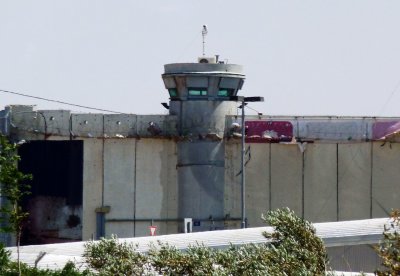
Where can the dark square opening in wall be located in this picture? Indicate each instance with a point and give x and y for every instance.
(57, 168)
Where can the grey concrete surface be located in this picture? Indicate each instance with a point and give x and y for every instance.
(257, 183)
(354, 181)
(119, 183)
(343, 179)
(232, 190)
(92, 185)
(286, 177)
(385, 178)
(320, 182)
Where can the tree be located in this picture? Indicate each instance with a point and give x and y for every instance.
(295, 247)
(12, 187)
(389, 248)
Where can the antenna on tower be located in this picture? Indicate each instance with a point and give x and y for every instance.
(204, 32)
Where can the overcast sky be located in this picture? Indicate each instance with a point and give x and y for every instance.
(337, 57)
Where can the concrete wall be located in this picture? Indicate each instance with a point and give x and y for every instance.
(232, 191)
(354, 181)
(286, 177)
(119, 184)
(156, 186)
(92, 185)
(354, 258)
(139, 183)
(258, 179)
(127, 174)
(385, 178)
(132, 169)
(320, 182)
(325, 182)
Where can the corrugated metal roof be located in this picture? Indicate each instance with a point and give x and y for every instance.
(333, 234)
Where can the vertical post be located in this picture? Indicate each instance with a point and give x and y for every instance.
(204, 33)
(243, 176)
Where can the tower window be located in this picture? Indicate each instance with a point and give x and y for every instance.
(225, 92)
(172, 92)
(197, 92)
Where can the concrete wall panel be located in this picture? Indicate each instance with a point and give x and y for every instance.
(232, 190)
(142, 228)
(119, 178)
(87, 125)
(156, 184)
(121, 229)
(92, 185)
(257, 183)
(286, 177)
(335, 129)
(120, 125)
(320, 187)
(353, 258)
(385, 178)
(354, 180)
(41, 124)
(164, 125)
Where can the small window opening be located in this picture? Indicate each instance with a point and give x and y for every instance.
(172, 92)
(197, 92)
(224, 92)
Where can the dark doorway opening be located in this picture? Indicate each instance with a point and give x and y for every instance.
(56, 191)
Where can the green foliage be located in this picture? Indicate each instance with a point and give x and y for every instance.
(167, 260)
(246, 260)
(294, 249)
(389, 248)
(109, 257)
(12, 186)
(4, 258)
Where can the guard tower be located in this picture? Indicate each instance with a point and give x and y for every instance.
(201, 95)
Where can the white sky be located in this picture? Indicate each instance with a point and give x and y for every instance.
(325, 57)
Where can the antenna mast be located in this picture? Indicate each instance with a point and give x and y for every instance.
(204, 32)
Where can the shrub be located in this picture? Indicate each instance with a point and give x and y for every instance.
(293, 249)
(389, 248)
(110, 257)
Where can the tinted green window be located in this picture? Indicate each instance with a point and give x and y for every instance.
(197, 92)
(173, 92)
(225, 92)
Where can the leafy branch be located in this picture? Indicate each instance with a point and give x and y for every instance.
(13, 188)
